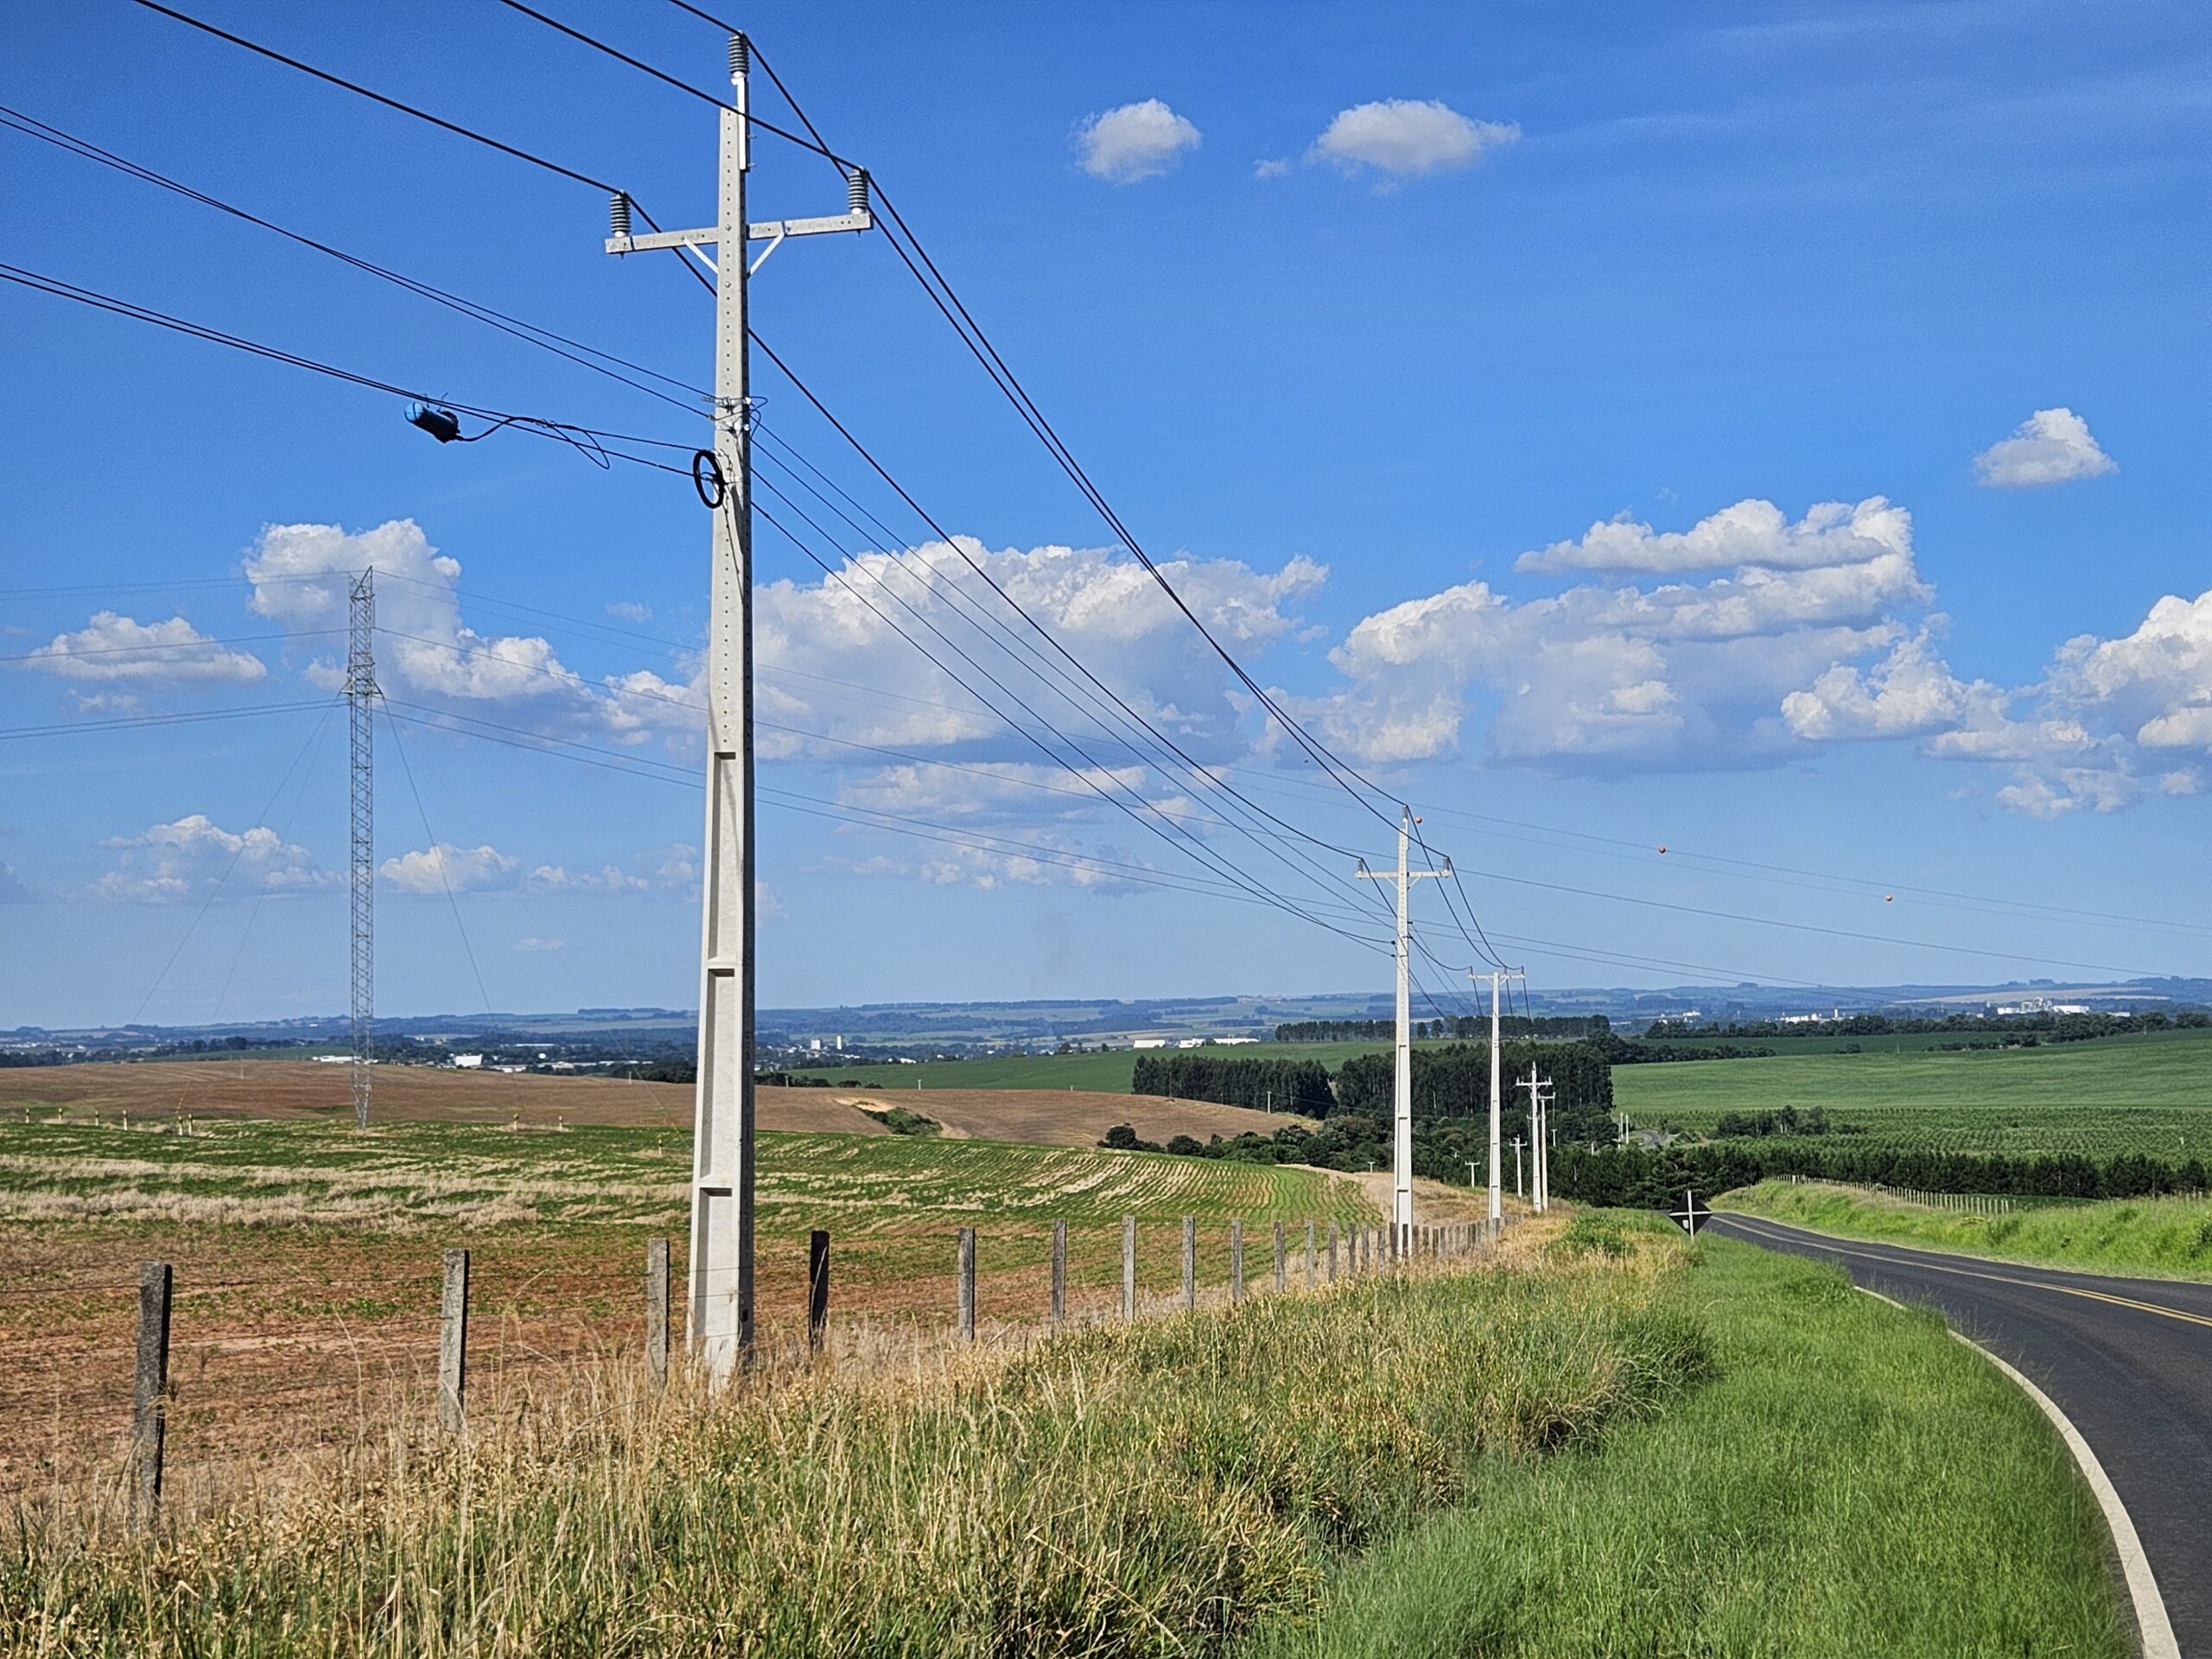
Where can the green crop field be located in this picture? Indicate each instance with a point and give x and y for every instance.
(1107, 1073)
(2149, 1094)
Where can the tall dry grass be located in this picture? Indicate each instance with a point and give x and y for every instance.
(1146, 1489)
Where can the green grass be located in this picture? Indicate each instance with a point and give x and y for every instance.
(1852, 1482)
(1915, 1042)
(2150, 1094)
(2163, 1238)
(1151, 1489)
(411, 1177)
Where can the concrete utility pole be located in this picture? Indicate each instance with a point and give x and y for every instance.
(361, 873)
(1539, 1119)
(1402, 1148)
(721, 1155)
(1497, 1172)
(1516, 1166)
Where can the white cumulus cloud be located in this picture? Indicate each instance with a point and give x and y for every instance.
(1751, 533)
(112, 647)
(183, 859)
(1407, 137)
(1136, 140)
(301, 573)
(442, 866)
(2052, 446)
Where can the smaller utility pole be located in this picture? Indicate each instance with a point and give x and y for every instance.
(1516, 1166)
(1539, 1127)
(1401, 1158)
(1496, 1170)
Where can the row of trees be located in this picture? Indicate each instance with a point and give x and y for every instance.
(1300, 1086)
(2059, 1028)
(1633, 1176)
(1454, 1081)
(1462, 1027)
(1352, 1142)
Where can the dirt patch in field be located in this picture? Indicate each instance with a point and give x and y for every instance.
(404, 1094)
(1053, 1117)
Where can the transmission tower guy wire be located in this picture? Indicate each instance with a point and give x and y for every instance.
(360, 702)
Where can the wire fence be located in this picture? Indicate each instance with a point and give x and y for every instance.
(245, 1368)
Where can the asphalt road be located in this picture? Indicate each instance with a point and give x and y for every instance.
(2129, 1360)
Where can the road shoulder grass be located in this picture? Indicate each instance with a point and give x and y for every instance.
(2150, 1238)
(1852, 1481)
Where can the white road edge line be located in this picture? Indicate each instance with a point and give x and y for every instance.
(2155, 1632)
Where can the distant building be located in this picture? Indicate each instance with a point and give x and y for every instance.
(2039, 1005)
(1148, 1042)
(468, 1062)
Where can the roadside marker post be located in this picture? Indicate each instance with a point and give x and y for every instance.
(1310, 1279)
(1692, 1216)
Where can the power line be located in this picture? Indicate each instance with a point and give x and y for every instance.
(546, 338)
(589, 442)
(438, 858)
(438, 121)
(67, 728)
(1197, 848)
(1201, 777)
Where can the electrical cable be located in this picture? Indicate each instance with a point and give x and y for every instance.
(238, 855)
(586, 441)
(1197, 848)
(545, 339)
(1198, 775)
(439, 121)
(68, 728)
(437, 857)
(1205, 779)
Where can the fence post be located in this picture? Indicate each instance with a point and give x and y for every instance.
(817, 1290)
(1129, 1266)
(1332, 1252)
(967, 1284)
(1236, 1260)
(1059, 1274)
(656, 1312)
(1189, 1262)
(453, 1344)
(150, 1389)
(1310, 1277)
(1280, 1281)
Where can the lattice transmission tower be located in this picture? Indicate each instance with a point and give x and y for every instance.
(360, 697)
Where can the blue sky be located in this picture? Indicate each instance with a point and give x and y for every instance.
(1775, 433)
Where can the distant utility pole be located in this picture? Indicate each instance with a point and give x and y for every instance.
(721, 1152)
(1402, 1154)
(1496, 1171)
(1516, 1166)
(361, 875)
(1539, 1123)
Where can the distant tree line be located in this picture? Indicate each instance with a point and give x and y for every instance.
(1462, 1027)
(1454, 1081)
(2056, 1027)
(1636, 1177)
(1350, 1141)
(1299, 1086)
